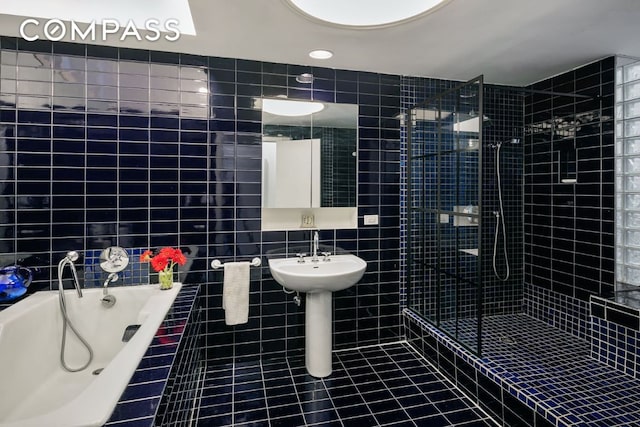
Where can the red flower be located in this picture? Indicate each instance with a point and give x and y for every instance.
(146, 256)
(159, 262)
(179, 258)
(167, 252)
(165, 259)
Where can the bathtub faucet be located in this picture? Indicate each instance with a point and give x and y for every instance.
(111, 278)
(108, 300)
(69, 259)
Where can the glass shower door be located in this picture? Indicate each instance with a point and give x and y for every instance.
(444, 211)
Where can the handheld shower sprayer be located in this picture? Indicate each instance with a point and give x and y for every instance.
(499, 214)
(70, 258)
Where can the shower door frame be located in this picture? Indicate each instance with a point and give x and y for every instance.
(479, 82)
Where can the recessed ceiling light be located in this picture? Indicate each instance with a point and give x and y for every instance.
(375, 13)
(290, 108)
(321, 54)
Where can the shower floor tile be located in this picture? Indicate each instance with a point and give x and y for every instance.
(374, 386)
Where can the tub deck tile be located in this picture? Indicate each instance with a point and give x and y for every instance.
(139, 402)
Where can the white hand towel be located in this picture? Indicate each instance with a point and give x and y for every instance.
(235, 293)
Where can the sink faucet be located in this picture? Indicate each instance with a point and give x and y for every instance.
(314, 256)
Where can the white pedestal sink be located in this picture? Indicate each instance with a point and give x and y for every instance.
(318, 279)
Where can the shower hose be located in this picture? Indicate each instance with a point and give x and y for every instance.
(500, 221)
(66, 322)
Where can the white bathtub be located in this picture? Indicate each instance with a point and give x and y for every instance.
(34, 389)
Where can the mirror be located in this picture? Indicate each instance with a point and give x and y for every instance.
(309, 158)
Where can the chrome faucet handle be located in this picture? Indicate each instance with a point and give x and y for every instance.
(326, 256)
(301, 256)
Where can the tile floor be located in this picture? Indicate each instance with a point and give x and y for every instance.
(374, 386)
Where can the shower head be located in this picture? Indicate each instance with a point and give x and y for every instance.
(513, 141)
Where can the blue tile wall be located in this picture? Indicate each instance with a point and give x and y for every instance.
(365, 314)
(561, 311)
(135, 273)
(144, 149)
(569, 227)
(615, 335)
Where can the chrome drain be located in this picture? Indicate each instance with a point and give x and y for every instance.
(507, 340)
(97, 371)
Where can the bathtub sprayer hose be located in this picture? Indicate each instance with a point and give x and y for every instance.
(66, 322)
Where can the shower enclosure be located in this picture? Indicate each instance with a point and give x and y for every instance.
(461, 144)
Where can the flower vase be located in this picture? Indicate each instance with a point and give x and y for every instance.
(165, 278)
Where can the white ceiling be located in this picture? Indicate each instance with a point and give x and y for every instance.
(509, 41)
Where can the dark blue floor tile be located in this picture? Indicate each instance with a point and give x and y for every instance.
(384, 406)
(353, 411)
(249, 405)
(422, 410)
(451, 405)
(433, 421)
(368, 387)
(461, 416)
(293, 421)
(395, 417)
(207, 411)
(285, 399)
(250, 416)
(284, 411)
(317, 405)
(322, 417)
(221, 420)
(364, 421)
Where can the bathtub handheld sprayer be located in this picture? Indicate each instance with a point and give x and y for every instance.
(69, 260)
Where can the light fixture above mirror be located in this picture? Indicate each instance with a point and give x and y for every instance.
(290, 108)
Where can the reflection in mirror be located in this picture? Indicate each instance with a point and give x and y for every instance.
(309, 160)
